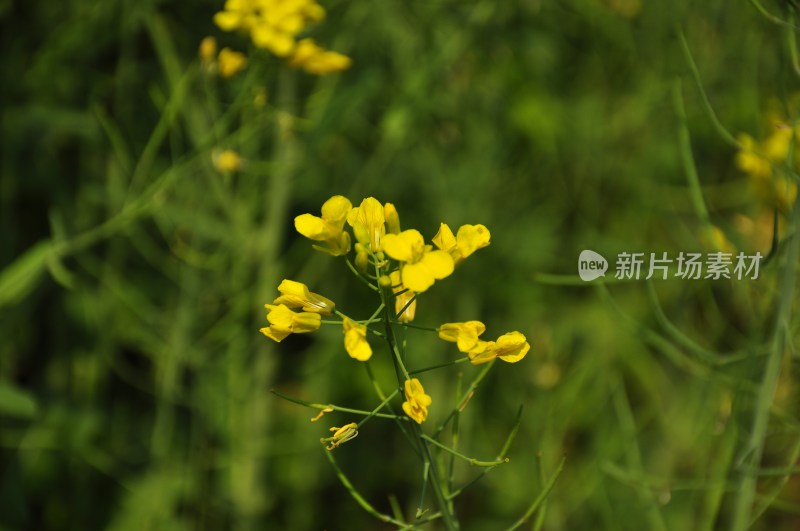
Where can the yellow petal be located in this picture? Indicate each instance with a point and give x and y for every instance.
(417, 277)
(335, 209)
(297, 295)
(464, 334)
(444, 239)
(306, 322)
(398, 247)
(414, 412)
(311, 227)
(367, 221)
(435, 265)
(275, 334)
(470, 238)
(355, 340)
(511, 347)
(227, 21)
(280, 317)
(483, 352)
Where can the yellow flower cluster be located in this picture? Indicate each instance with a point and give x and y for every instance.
(376, 229)
(399, 265)
(284, 321)
(765, 162)
(275, 26)
(510, 347)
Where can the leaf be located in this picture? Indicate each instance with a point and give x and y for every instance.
(22, 275)
(14, 402)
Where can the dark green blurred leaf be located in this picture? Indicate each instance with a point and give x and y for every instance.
(22, 276)
(14, 402)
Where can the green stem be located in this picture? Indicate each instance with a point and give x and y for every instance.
(465, 399)
(687, 53)
(470, 460)
(687, 158)
(344, 409)
(369, 284)
(412, 325)
(358, 497)
(540, 498)
(755, 445)
(792, 42)
(769, 16)
(506, 446)
(436, 483)
(434, 367)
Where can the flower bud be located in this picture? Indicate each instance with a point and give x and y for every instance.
(362, 262)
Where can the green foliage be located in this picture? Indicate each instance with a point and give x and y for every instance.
(134, 385)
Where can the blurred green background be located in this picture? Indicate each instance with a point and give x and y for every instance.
(135, 387)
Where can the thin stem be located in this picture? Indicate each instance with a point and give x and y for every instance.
(470, 460)
(465, 398)
(355, 271)
(434, 367)
(402, 425)
(412, 325)
(687, 54)
(772, 18)
(342, 409)
(792, 42)
(540, 498)
(449, 517)
(687, 158)
(454, 438)
(503, 451)
(409, 303)
(358, 497)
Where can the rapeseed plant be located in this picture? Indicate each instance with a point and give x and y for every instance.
(399, 267)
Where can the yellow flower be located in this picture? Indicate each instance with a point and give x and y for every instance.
(296, 295)
(464, 335)
(510, 347)
(271, 24)
(328, 228)
(231, 62)
(749, 161)
(417, 402)
(367, 221)
(420, 266)
(776, 146)
(227, 161)
(317, 60)
(341, 435)
(208, 49)
(355, 340)
(283, 321)
(402, 299)
(469, 239)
